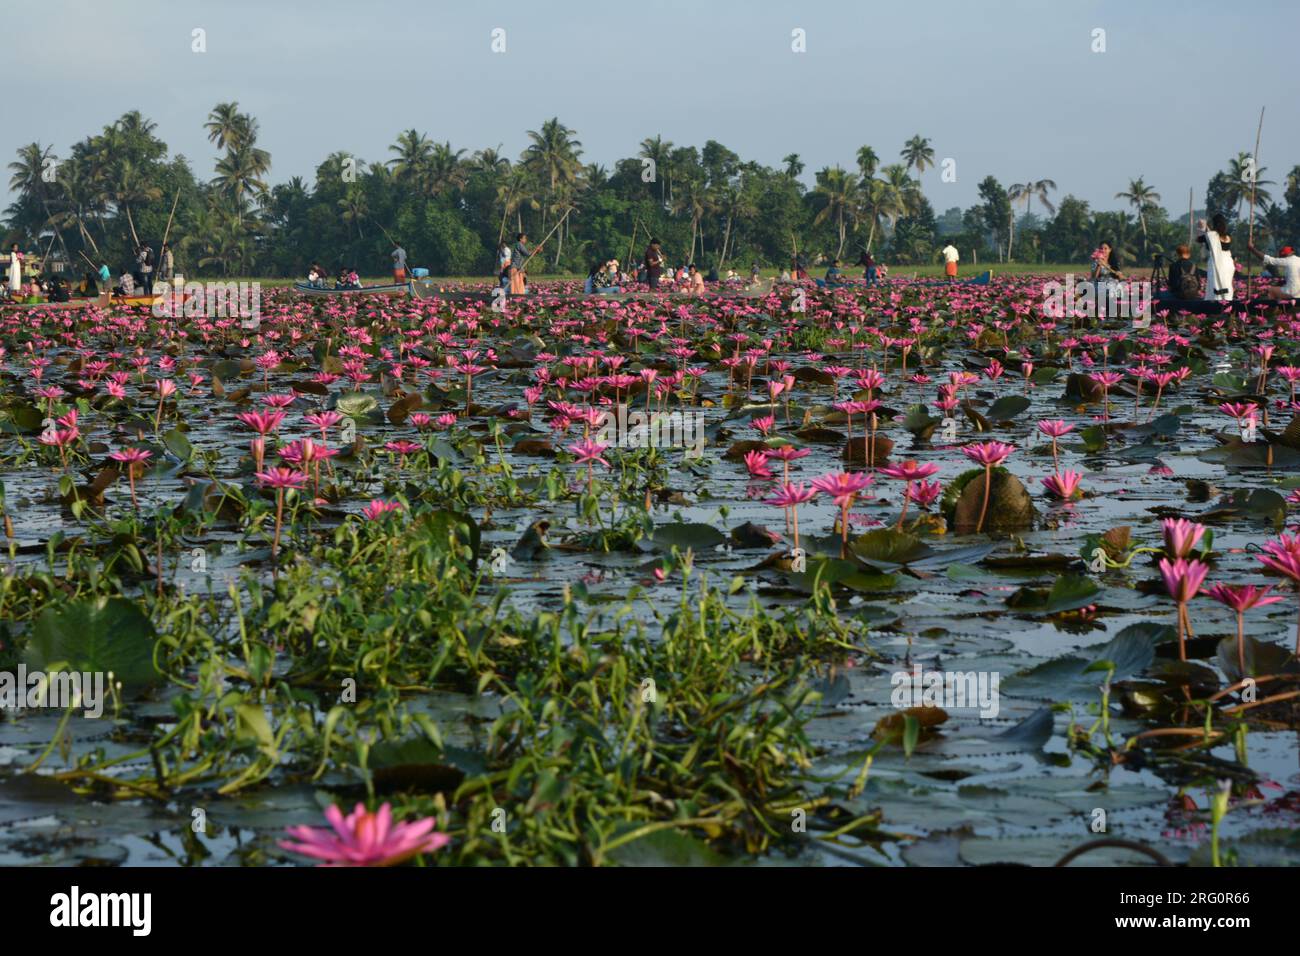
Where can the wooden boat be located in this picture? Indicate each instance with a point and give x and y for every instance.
(132, 299)
(429, 291)
(302, 288)
(52, 306)
(984, 278)
(1163, 303)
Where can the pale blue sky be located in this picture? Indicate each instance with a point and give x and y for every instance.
(1007, 87)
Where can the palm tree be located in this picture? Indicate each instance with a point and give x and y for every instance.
(907, 189)
(446, 169)
(354, 208)
(793, 165)
(29, 179)
(133, 124)
(658, 151)
(512, 193)
(836, 192)
(553, 157)
(917, 154)
(694, 201)
(239, 175)
(132, 187)
(1239, 184)
(736, 205)
(880, 201)
(223, 125)
(868, 162)
(490, 160)
(1142, 198)
(413, 150)
(1028, 192)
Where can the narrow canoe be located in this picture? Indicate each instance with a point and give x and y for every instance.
(303, 288)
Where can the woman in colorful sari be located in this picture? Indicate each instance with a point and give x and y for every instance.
(518, 257)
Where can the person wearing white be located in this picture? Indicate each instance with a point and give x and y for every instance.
(15, 269)
(504, 258)
(1287, 265)
(1219, 266)
(950, 257)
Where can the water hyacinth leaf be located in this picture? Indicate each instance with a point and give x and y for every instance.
(96, 635)
(887, 547)
(401, 409)
(1093, 438)
(1007, 408)
(1032, 732)
(357, 404)
(1068, 593)
(661, 847)
(178, 444)
(1229, 381)
(1167, 425)
(701, 537)
(228, 370)
(23, 418)
(1010, 507)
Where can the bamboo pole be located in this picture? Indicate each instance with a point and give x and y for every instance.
(548, 236)
(1254, 178)
(168, 231)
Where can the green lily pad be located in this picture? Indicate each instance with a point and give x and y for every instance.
(96, 635)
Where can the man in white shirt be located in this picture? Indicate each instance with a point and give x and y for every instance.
(950, 258)
(1286, 265)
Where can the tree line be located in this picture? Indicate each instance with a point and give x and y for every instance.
(450, 209)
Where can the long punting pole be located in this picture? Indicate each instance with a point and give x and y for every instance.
(1254, 178)
(548, 236)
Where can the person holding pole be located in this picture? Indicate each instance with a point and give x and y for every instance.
(1287, 265)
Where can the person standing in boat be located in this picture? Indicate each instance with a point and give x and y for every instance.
(868, 266)
(503, 264)
(654, 264)
(15, 270)
(800, 267)
(1287, 265)
(166, 263)
(519, 256)
(1219, 267)
(1106, 276)
(399, 262)
(950, 259)
(144, 260)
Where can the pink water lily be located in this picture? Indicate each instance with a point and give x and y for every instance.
(1241, 598)
(133, 458)
(843, 487)
(363, 838)
(990, 454)
(1064, 485)
(1183, 580)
